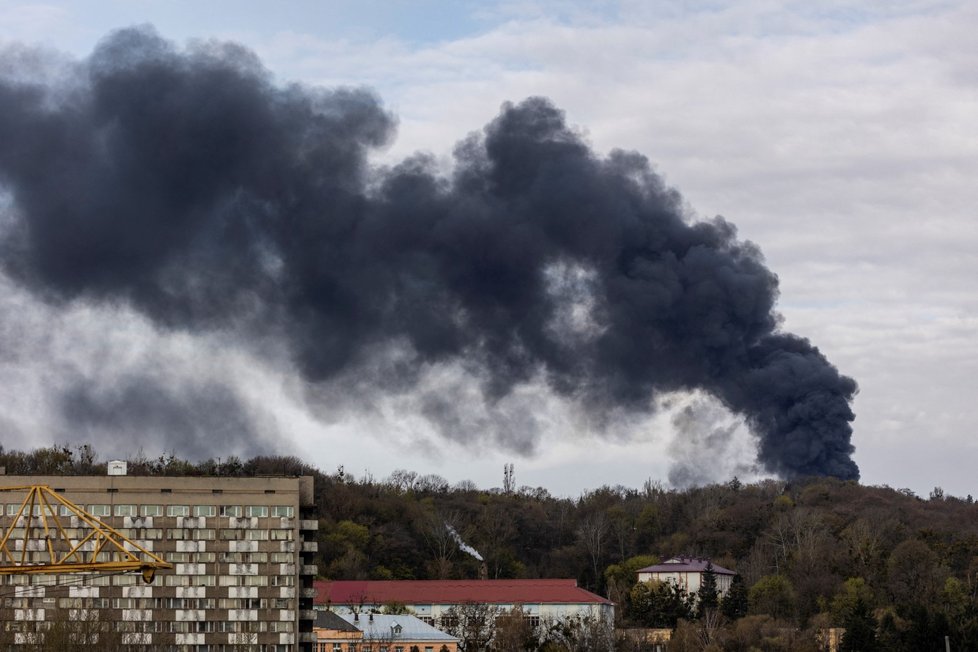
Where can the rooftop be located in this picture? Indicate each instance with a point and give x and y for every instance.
(545, 591)
(402, 626)
(685, 565)
(330, 620)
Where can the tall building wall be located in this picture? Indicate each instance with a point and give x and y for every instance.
(242, 577)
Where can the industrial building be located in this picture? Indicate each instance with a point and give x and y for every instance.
(241, 550)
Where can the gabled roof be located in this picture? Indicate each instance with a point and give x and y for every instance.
(381, 627)
(329, 620)
(685, 565)
(548, 591)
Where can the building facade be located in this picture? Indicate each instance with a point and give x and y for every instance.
(687, 573)
(242, 576)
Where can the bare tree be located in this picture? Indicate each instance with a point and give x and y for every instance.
(591, 533)
(588, 632)
(474, 624)
(434, 528)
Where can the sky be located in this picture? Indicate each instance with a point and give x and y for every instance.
(840, 137)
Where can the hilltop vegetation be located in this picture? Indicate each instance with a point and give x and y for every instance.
(897, 570)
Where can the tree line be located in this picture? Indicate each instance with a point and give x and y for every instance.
(897, 570)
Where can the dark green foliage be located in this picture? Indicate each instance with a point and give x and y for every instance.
(707, 598)
(660, 604)
(734, 604)
(860, 628)
(772, 595)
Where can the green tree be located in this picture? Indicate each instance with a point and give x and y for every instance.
(734, 604)
(660, 604)
(860, 635)
(621, 578)
(854, 592)
(772, 595)
(707, 598)
(914, 573)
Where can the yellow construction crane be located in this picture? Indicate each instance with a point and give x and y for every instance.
(98, 548)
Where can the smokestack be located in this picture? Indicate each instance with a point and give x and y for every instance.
(186, 184)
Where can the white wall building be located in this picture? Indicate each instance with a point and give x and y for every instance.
(687, 573)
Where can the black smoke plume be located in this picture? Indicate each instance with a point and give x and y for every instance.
(189, 185)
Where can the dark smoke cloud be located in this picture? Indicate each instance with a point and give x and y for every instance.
(198, 419)
(187, 184)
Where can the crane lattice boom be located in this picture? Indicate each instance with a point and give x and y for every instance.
(37, 527)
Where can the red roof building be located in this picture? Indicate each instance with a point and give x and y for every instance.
(429, 599)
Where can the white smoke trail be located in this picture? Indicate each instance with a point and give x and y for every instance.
(461, 544)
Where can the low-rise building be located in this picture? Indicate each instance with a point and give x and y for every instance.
(687, 573)
(379, 633)
(540, 600)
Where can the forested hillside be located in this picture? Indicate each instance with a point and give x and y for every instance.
(812, 552)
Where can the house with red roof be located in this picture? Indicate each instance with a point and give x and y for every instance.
(687, 573)
(429, 600)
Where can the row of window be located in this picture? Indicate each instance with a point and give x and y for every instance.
(210, 534)
(176, 534)
(261, 511)
(150, 603)
(230, 557)
(179, 627)
(167, 580)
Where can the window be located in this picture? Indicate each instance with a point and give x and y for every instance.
(231, 510)
(205, 510)
(256, 510)
(178, 510)
(283, 510)
(151, 510)
(98, 510)
(125, 510)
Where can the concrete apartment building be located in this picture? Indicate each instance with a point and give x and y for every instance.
(242, 577)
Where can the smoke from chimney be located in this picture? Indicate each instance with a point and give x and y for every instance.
(188, 185)
(464, 547)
